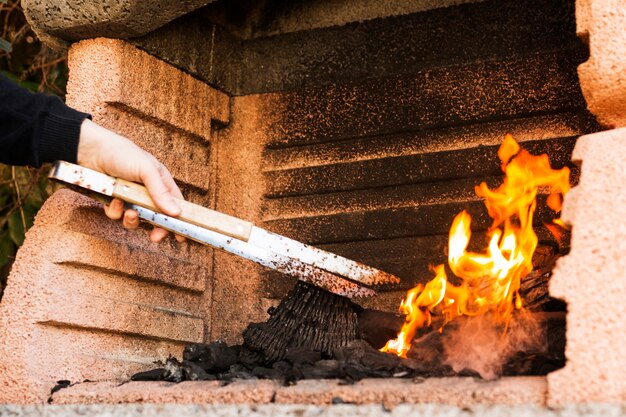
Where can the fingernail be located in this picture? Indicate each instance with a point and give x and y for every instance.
(173, 207)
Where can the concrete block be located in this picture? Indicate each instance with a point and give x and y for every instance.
(168, 113)
(460, 392)
(71, 320)
(87, 299)
(237, 299)
(601, 23)
(197, 392)
(591, 278)
(69, 20)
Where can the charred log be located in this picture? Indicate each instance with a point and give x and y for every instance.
(377, 327)
(307, 317)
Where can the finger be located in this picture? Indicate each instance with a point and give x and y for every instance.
(169, 182)
(171, 185)
(158, 234)
(160, 193)
(131, 219)
(115, 209)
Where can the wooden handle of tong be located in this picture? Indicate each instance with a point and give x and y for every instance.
(191, 213)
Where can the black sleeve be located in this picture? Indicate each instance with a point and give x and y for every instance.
(36, 128)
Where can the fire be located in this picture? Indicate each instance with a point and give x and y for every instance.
(489, 281)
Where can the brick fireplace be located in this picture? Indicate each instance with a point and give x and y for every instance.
(360, 128)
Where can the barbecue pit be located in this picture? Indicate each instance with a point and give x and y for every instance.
(357, 127)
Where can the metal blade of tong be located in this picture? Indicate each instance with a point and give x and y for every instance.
(262, 256)
(239, 237)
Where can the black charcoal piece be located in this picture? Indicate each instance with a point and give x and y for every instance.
(212, 357)
(173, 370)
(64, 383)
(377, 327)
(267, 373)
(302, 355)
(151, 375)
(193, 372)
(237, 371)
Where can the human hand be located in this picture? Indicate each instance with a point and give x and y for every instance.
(107, 152)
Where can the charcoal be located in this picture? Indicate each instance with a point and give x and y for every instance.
(250, 358)
(282, 366)
(362, 353)
(353, 372)
(324, 369)
(213, 357)
(302, 355)
(237, 371)
(173, 370)
(534, 286)
(377, 327)
(64, 383)
(267, 373)
(193, 372)
(151, 375)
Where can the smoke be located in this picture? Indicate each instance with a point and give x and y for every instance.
(479, 344)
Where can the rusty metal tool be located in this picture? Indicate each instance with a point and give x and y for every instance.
(326, 270)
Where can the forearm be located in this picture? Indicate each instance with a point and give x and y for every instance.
(36, 128)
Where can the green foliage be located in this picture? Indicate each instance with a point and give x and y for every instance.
(36, 67)
(22, 192)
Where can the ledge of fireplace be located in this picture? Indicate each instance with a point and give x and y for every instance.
(456, 391)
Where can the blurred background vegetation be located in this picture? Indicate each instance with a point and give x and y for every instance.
(33, 65)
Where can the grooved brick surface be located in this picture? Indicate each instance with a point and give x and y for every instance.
(78, 321)
(601, 23)
(591, 278)
(87, 299)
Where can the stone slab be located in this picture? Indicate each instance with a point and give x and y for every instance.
(457, 391)
(69, 20)
(197, 392)
(461, 392)
(281, 410)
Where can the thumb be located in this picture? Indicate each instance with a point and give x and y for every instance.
(158, 190)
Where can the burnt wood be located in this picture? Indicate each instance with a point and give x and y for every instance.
(307, 317)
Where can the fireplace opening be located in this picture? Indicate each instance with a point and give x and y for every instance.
(378, 130)
(487, 312)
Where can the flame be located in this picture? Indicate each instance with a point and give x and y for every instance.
(489, 281)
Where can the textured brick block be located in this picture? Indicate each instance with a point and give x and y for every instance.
(76, 320)
(461, 392)
(601, 23)
(591, 278)
(236, 291)
(167, 112)
(198, 392)
(87, 299)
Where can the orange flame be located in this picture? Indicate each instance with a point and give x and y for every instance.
(491, 280)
